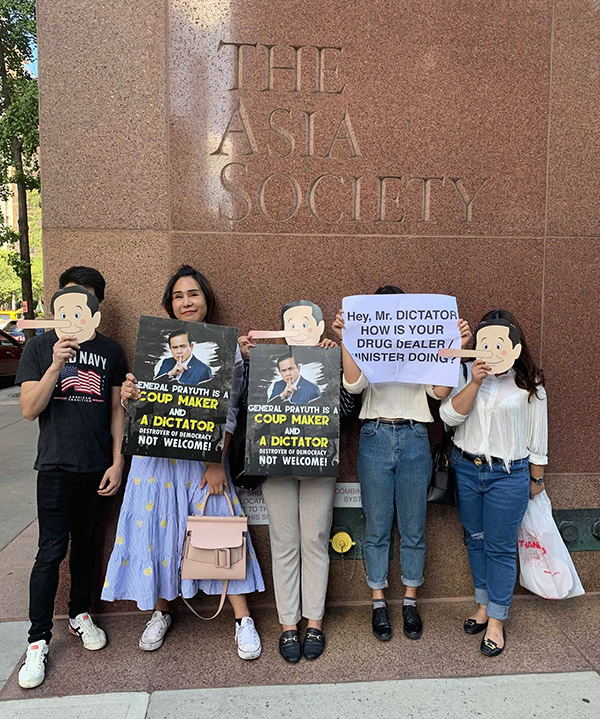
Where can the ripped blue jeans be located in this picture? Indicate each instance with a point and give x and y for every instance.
(491, 505)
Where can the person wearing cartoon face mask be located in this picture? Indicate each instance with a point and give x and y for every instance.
(70, 380)
(300, 508)
(499, 411)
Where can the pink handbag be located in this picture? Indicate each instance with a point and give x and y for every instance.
(214, 548)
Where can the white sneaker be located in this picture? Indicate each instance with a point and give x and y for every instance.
(33, 669)
(154, 633)
(83, 626)
(247, 639)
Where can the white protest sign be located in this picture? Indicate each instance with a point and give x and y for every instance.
(396, 338)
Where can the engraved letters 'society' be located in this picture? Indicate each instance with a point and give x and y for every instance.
(280, 162)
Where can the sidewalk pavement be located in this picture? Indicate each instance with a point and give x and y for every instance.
(539, 696)
(18, 442)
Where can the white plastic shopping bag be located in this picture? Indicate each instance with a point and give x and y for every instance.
(546, 565)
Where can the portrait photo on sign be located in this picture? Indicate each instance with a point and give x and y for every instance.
(187, 361)
(185, 374)
(296, 383)
(293, 411)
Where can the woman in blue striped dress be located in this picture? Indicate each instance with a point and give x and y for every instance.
(160, 495)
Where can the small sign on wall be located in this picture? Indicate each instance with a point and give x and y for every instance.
(347, 495)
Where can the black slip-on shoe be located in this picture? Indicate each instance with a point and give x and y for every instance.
(382, 627)
(489, 647)
(289, 646)
(471, 626)
(314, 643)
(413, 626)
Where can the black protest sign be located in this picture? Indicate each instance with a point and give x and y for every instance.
(185, 372)
(293, 411)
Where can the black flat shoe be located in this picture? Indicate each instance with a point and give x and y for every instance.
(490, 648)
(382, 627)
(314, 643)
(289, 646)
(473, 627)
(413, 626)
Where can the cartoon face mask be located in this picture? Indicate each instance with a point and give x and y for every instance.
(76, 313)
(502, 341)
(302, 325)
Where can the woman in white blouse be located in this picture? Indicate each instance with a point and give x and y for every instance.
(499, 412)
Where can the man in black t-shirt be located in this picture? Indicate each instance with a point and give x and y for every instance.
(72, 386)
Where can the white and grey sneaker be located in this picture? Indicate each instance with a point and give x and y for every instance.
(154, 633)
(247, 639)
(33, 669)
(92, 636)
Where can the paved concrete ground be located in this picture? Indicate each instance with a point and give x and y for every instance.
(547, 696)
(18, 440)
(12, 640)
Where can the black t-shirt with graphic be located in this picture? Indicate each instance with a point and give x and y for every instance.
(75, 425)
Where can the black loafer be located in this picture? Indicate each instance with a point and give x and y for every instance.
(382, 627)
(314, 643)
(413, 626)
(289, 646)
(473, 627)
(489, 647)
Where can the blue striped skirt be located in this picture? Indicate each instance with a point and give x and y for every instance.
(144, 564)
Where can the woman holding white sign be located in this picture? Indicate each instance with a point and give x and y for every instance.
(162, 492)
(394, 468)
(501, 440)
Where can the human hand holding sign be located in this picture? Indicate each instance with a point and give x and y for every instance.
(339, 324)
(129, 389)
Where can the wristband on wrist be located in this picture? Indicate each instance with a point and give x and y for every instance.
(537, 480)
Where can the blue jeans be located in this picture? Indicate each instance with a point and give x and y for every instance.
(394, 466)
(491, 505)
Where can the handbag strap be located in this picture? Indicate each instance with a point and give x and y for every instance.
(221, 603)
(226, 495)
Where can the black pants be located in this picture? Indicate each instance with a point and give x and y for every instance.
(68, 505)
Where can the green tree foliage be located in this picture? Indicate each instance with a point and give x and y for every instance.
(10, 280)
(18, 129)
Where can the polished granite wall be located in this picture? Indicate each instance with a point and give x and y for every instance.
(320, 149)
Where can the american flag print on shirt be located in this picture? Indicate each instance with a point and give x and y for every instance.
(86, 381)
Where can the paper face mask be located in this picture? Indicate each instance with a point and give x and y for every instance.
(76, 313)
(502, 340)
(302, 325)
(498, 344)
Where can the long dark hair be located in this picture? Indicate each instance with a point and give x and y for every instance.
(389, 290)
(528, 375)
(209, 295)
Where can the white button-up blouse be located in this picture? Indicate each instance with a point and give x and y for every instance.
(503, 422)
